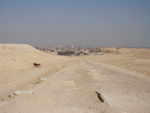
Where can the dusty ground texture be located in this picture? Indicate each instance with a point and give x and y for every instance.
(69, 84)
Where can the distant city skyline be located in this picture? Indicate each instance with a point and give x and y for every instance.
(124, 23)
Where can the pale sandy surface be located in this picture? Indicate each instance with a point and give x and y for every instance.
(68, 84)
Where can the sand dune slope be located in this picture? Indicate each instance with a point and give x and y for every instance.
(16, 66)
(17, 57)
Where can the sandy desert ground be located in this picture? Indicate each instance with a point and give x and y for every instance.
(69, 84)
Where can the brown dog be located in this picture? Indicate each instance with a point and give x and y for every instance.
(36, 65)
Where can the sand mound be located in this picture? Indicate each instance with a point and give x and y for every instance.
(16, 48)
(16, 60)
(15, 57)
(16, 67)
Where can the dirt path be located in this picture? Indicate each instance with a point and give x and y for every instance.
(72, 90)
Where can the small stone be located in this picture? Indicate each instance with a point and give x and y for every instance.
(43, 79)
(18, 92)
(100, 97)
(1, 99)
(29, 91)
(10, 95)
(147, 91)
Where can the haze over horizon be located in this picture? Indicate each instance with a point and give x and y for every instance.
(80, 22)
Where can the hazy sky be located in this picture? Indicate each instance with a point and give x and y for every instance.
(77, 22)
